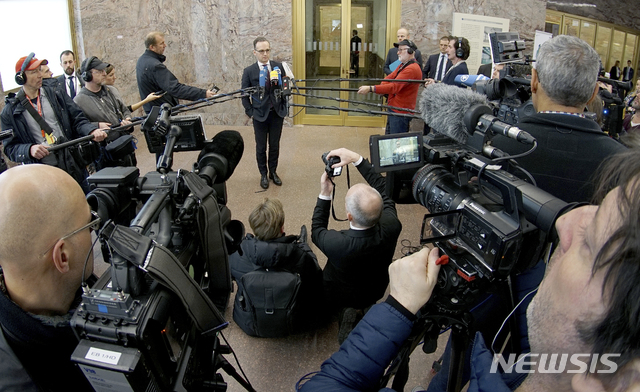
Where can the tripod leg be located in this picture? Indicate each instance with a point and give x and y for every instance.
(459, 343)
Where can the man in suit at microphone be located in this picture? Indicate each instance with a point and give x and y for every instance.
(438, 64)
(153, 76)
(266, 107)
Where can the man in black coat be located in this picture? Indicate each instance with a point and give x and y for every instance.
(614, 72)
(154, 76)
(627, 72)
(438, 64)
(266, 108)
(45, 239)
(69, 80)
(356, 274)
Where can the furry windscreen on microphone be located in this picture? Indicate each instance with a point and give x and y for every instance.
(443, 106)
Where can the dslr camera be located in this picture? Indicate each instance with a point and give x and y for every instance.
(330, 161)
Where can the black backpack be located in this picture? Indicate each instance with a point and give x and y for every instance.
(265, 305)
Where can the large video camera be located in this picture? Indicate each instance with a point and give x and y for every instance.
(511, 93)
(151, 321)
(488, 222)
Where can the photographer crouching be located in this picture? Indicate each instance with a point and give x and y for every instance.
(43, 249)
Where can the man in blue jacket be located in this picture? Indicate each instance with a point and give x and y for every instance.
(585, 310)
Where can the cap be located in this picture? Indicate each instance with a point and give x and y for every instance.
(93, 63)
(33, 64)
(406, 42)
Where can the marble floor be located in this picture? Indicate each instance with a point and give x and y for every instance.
(278, 364)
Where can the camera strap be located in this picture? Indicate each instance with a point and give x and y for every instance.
(333, 197)
(164, 267)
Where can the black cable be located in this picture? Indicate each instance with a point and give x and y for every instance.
(357, 110)
(365, 103)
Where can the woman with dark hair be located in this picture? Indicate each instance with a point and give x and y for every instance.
(458, 51)
(110, 81)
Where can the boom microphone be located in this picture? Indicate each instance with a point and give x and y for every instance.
(456, 113)
(469, 80)
(219, 157)
(443, 106)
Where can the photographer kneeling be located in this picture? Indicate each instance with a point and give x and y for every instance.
(585, 308)
(45, 222)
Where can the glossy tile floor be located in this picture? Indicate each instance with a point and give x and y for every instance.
(277, 364)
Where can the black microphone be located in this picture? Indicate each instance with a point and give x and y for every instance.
(219, 157)
(455, 112)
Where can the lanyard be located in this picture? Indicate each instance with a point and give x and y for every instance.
(39, 108)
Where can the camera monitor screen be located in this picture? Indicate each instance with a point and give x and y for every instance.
(396, 152)
(192, 139)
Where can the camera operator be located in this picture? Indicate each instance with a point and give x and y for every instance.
(104, 107)
(584, 305)
(570, 146)
(37, 104)
(356, 274)
(45, 240)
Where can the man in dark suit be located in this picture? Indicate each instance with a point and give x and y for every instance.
(69, 79)
(392, 56)
(356, 274)
(266, 109)
(627, 72)
(614, 72)
(438, 64)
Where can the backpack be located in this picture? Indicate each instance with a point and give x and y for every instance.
(265, 305)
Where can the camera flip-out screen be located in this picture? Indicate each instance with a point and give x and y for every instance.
(439, 226)
(396, 152)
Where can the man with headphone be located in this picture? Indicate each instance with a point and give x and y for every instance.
(40, 116)
(402, 95)
(103, 105)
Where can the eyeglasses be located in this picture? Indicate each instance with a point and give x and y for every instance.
(263, 51)
(94, 224)
(401, 49)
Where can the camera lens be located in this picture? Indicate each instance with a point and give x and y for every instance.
(435, 189)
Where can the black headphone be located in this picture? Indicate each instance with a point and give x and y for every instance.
(459, 51)
(87, 76)
(21, 77)
(410, 48)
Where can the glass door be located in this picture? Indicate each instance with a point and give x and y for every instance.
(333, 55)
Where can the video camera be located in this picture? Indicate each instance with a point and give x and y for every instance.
(151, 321)
(511, 93)
(489, 222)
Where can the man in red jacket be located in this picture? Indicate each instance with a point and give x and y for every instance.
(401, 94)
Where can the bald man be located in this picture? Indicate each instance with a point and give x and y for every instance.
(356, 274)
(42, 255)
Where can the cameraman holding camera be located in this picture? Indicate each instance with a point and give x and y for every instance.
(46, 238)
(585, 306)
(356, 274)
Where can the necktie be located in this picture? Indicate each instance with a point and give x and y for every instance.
(441, 67)
(72, 88)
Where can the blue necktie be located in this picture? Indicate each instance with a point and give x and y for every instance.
(441, 68)
(72, 87)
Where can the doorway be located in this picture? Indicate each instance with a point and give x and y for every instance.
(327, 56)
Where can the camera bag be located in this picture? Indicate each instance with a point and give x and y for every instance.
(266, 306)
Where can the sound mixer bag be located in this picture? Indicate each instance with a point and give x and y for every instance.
(266, 306)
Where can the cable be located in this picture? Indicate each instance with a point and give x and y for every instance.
(246, 379)
(507, 318)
